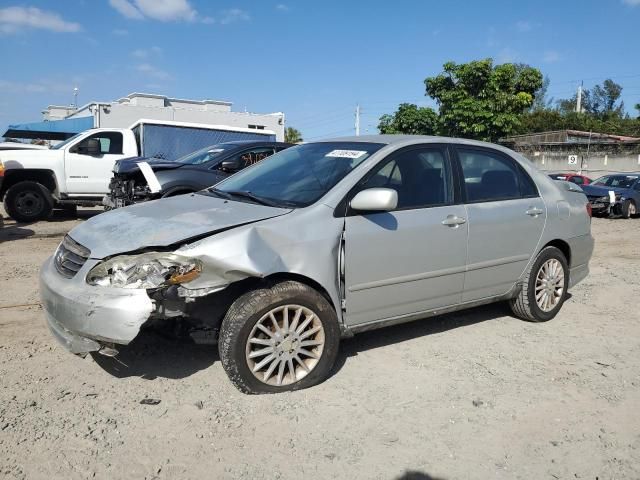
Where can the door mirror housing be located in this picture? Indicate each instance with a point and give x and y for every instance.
(375, 200)
(230, 166)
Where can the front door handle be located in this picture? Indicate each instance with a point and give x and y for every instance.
(534, 212)
(454, 221)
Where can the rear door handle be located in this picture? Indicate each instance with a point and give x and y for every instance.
(534, 212)
(454, 221)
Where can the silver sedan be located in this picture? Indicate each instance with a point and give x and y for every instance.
(318, 242)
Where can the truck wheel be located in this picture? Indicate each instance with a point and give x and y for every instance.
(544, 289)
(279, 338)
(28, 202)
(629, 209)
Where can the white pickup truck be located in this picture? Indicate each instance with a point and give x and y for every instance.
(78, 170)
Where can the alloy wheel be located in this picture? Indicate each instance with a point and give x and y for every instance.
(285, 345)
(549, 285)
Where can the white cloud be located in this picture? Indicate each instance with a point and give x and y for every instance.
(282, 7)
(145, 53)
(633, 3)
(234, 15)
(126, 9)
(153, 72)
(550, 56)
(16, 19)
(120, 32)
(524, 26)
(163, 10)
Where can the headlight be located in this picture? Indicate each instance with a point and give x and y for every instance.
(148, 270)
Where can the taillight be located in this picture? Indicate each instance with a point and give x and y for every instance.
(1, 170)
(589, 210)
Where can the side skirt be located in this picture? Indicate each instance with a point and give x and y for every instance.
(351, 330)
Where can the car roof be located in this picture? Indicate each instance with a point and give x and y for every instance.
(243, 143)
(410, 139)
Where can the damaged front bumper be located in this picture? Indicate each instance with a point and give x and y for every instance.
(84, 318)
(123, 192)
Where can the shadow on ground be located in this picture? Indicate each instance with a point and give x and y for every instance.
(151, 356)
(418, 328)
(415, 475)
(12, 230)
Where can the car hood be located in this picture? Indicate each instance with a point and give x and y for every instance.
(130, 165)
(602, 191)
(29, 158)
(165, 222)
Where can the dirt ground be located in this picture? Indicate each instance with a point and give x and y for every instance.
(477, 394)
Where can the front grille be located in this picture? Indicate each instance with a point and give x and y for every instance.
(70, 257)
(597, 199)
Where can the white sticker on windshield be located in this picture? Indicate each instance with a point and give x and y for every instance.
(346, 153)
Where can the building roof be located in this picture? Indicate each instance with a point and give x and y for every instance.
(129, 97)
(50, 129)
(556, 137)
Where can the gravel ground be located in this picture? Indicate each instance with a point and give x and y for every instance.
(477, 394)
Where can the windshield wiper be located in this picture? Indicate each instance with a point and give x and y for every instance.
(219, 193)
(251, 196)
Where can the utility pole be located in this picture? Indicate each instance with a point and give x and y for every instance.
(357, 120)
(579, 99)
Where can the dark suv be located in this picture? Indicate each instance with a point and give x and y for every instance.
(135, 182)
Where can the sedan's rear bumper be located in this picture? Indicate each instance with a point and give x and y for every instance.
(83, 317)
(581, 248)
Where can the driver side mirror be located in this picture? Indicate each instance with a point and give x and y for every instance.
(375, 199)
(230, 166)
(91, 147)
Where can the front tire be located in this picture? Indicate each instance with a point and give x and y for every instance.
(629, 209)
(279, 338)
(545, 288)
(28, 202)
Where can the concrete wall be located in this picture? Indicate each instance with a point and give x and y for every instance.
(598, 160)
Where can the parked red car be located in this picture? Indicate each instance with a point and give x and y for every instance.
(572, 177)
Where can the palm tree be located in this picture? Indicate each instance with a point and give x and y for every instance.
(291, 135)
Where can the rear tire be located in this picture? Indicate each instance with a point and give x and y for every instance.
(545, 288)
(28, 202)
(279, 338)
(629, 209)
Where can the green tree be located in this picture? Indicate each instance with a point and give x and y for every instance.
(292, 135)
(602, 101)
(410, 119)
(482, 101)
(605, 100)
(541, 100)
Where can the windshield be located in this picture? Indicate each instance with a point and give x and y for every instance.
(66, 142)
(620, 181)
(206, 154)
(298, 176)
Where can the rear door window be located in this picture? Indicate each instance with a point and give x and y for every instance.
(491, 176)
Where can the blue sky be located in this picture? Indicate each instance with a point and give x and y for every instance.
(313, 60)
